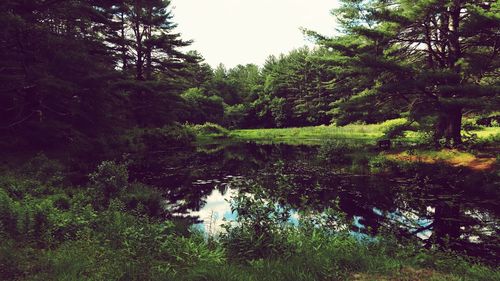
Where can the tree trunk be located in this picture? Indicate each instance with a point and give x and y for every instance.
(449, 126)
(138, 40)
(139, 61)
(123, 43)
(149, 48)
(446, 230)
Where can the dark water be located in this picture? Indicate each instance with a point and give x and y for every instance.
(440, 205)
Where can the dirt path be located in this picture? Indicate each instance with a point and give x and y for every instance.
(406, 274)
(451, 157)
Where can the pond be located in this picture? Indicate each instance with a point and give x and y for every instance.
(443, 206)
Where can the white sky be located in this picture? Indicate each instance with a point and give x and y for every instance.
(236, 32)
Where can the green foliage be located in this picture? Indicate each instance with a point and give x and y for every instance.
(235, 115)
(470, 124)
(335, 152)
(379, 164)
(202, 107)
(166, 137)
(296, 90)
(144, 199)
(119, 70)
(60, 236)
(8, 216)
(261, 228)
(144, 139)
(110, 179)
(209, 130)
(43, 169)
(378, 73)
(395, 128)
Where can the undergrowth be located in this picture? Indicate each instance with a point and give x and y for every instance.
(111, 230)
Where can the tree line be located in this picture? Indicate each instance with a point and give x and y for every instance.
(75, 71)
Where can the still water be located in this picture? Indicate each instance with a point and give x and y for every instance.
(438, 204)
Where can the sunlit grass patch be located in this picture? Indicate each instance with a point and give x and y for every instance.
(369, 133)
(487, 132)
(308, 135)
(449, 156)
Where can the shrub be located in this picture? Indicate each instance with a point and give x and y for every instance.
(61, 202)
(8, 216)
(334, 152)
(144, 199)
(380, 163)
(191, 251)
(209, 129)
(396, 128)
(43, 169)
(261, 228)
(470, 125)
(167, 137)
(9, 261)
(109, 180)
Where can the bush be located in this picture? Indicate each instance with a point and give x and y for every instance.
(334, 152)
(9, 260)
(8, 216)
(380, 163)
(61, 202)
(261, 228)
(209, 130)
(396, 128)
(144, 199)
(43, 169)
(109, 180)
(168, 137)
(470, 125)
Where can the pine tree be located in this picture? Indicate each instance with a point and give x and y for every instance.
(146, 39)
(55, 72)
(438, 57)
(147, 50)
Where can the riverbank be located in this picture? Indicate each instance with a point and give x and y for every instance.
(114, 224)
(69, 233)
(357, 133)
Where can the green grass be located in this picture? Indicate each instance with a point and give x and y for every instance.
(319, 134)
(310, 135)
(51, 232)
(488, 132)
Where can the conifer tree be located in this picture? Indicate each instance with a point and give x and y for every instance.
(55, 72)
(146, 39)
(440, 58)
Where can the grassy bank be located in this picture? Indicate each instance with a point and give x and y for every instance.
(356, 133)
(114, 229)
(452, 157)
(310, 135)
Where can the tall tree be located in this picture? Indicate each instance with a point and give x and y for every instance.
(439, 57)
(295, 91)
(55, 72)
(148, 50)
(146, 38)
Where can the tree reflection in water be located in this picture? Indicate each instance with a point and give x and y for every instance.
(441, 205)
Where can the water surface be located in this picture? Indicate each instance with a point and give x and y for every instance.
(441, 205)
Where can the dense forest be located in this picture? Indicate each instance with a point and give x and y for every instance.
(108, 126)
(77, 72)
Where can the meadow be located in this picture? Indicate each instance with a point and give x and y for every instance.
(363, 133)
